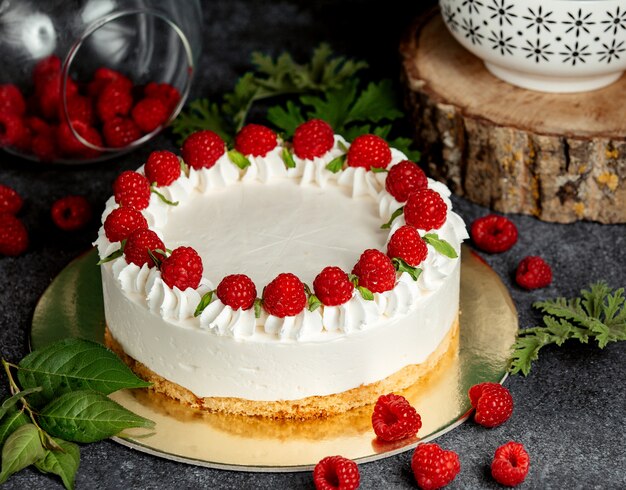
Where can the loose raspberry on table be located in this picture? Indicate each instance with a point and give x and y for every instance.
(237, 291)
(162, 167)
(165, 92)
(332, 286)
(69, 145)
(11, 100)
(255, 140)
(533, 273)
(10, 201)
(493, 404)
(336, 473)
(394, 418)
(182, 269)
(121, 222)
(13, 235)
(425, 210)
(149, 114)
(114, 100)
(375, 271)
(493, 233)
(284, 296)
(407, 244)
(313, 139)
(132, 189)
(13, 131)
(433, 467)
(138, 244)
(367, 151)
(202, 149)
(404, 178)
(120, 131)
(71, 212)
(510, 464)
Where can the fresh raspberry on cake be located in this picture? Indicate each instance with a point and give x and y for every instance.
(13, 235)
(394, 418)
(405, 178)
(10, 201)
(162, 167)
(202, 149)
(493, 233)
(367, 151)
(11, 100)
(313, 139)
(510, 464)
(284, 296)
(71, 212)
(138, 244)
(182, 269)
(237, 291)
(433, 467)
(149, 114)
(120, 131)
(533, 273)
(375, 271)
(493, 404)
(425, 209)
(132, 189)
(255, 140)
(332, 286)
(407, 244)
(336, 473)
(121, 222)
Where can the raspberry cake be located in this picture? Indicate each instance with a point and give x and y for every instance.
(259, 280)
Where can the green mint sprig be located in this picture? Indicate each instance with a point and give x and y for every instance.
(62, 399)
(597, 314)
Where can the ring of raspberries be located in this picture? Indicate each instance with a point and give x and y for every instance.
(286, 295)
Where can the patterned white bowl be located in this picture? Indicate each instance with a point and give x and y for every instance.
(545, 45)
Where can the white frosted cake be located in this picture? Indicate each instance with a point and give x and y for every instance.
(262, 216)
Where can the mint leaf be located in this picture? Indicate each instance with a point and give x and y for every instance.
(239, 159)
(336, 164)
(111, 256)
(63, 463)
(21, 449)
(440, 245)
(87, 416)
(258, 303)
(12, 400)
(379, 170)
(366, 293)
(396, 213)
(287, 119)
(313, 303)
(12, 420)
(204, 302)
(162, 197)
(378, 101)
(288, 158)
(402, 266)
(74, 364)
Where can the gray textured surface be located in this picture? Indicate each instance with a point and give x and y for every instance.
(570, 411)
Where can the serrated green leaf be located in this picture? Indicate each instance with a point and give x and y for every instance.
(525, 351)
(204, 302)
(288, 158)
(87, 416)
(355, 130)
(440, 245)
(12, 420)
(396, 213)
(382, 131)
(286, 118)
(163, 198)
(239, 159)
(336, 164)
(365, 293)
(404, 145)
(334, 106)
(63, 463)
(199, 115)
(377, 102)
(21, 449)
(74, 364)
(12, 400)
(560, 330)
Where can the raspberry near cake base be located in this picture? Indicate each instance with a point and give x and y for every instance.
(274, 214)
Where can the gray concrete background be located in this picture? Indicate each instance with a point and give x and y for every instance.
(569, 412)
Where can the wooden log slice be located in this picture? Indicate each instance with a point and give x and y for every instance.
(560, 157)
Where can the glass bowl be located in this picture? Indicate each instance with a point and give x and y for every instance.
(82, 69)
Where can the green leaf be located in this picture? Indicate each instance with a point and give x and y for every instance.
(202, 114)
(12, 420)
(258, 304)
(237, 103)
(402, 266)
(377, 102)
(74, 364)
(21, 449)
(12, 400)
(204, 302)
(355, 130)
(382, 131)
(525, 351)
(404, 145)
(336, 164)
(286, 118)
(379, 170)
(112, 256)
(87, 416)
(288, 158)
(313, 303)
(333, 106)
(396, 213)
(366, 293)
(162, 197)
(63, 463)
(239, 159)
(440, 245)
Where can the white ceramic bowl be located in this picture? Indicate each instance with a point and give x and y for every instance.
(545, 45)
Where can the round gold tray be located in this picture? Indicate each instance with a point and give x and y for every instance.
(72, 306)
